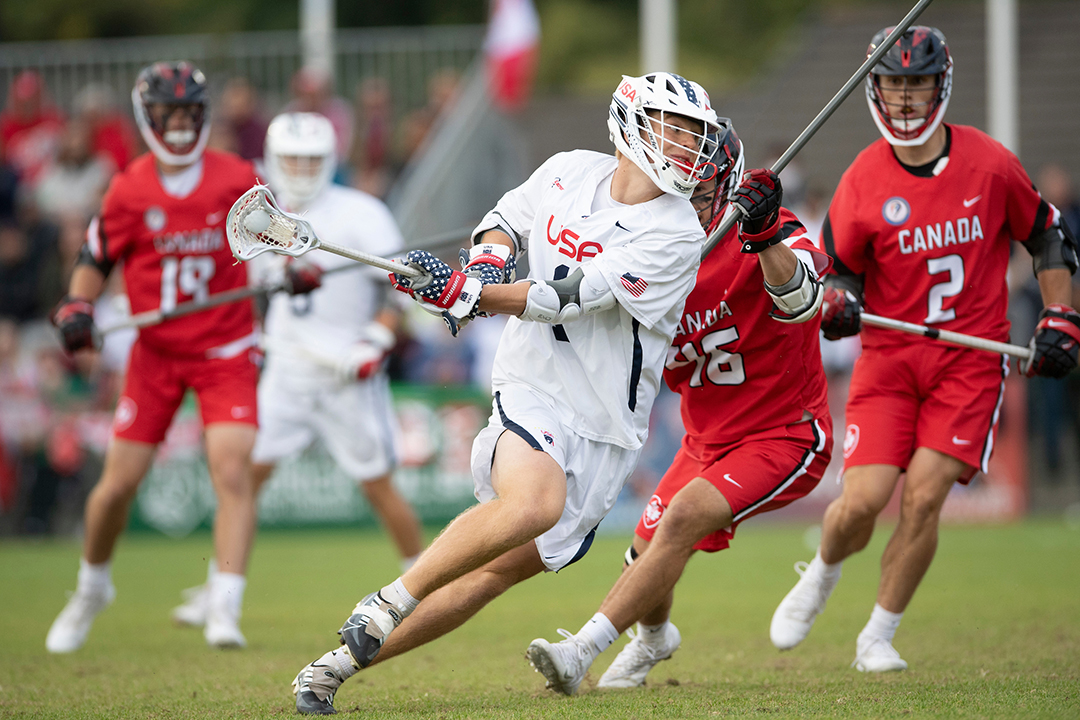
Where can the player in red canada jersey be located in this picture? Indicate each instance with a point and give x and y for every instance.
(754, 405)
(920, 230)
(163, 218)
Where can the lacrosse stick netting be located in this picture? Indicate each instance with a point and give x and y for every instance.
(256, 225)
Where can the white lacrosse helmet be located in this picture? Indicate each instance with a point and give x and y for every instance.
(636, 135)
(300, 157)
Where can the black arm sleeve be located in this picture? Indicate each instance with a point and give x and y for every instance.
(845, 278)
(85, 257)
(1052, 248)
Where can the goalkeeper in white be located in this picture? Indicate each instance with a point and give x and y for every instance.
(324, 374)
(614, 246)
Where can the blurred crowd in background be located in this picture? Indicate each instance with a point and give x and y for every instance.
(55, 412)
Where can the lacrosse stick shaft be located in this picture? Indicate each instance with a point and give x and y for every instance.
(155, 317)
(947, 336)
(826, 112)
(369, 259)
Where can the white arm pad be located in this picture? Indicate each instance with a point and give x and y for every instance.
(583, 292)
(799, 298)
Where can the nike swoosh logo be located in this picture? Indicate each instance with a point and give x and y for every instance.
(972, 201)
(728, 478)
(1058, 323)
(620, 226)
(215, 217)
(958, 441)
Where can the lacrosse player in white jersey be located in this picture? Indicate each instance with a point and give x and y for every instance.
(324, 376)
(614, 246)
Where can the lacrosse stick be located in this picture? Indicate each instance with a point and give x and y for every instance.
(256, 225)
(947, 336)
(156, 317)
(826, 112)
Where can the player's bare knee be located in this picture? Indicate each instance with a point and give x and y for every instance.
(683, 525)
(113, 490)
(920, 506)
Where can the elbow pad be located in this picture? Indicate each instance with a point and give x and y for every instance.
(798, 299)
(1052, 249)
(582, 292)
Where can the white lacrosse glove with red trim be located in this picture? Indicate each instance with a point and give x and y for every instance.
(366, 357)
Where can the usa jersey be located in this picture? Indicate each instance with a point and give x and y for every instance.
(329, 320)
(174, 250)
(602, 371)
(935, 249)
(737, 370)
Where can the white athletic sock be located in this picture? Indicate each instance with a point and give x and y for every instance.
(599, 632)
(227, 589)
(343, 660)
(396, 593)
(211, 571)
(653, 634)
(94, 578)
(830, 573)
(882, 624)
(408, 562)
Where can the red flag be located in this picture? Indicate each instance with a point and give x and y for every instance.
(511, 45)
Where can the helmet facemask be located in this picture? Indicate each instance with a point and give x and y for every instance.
(889, 117)
(664, 124)
(162, 90)
(719, 177)
(300, 157)
(920, 52)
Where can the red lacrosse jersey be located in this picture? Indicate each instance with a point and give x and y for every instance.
(738, 370)
(934, 250)
(174, 250)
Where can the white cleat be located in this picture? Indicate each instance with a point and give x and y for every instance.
(223, 628)
(877, 655)
(796, 613)
(192, 613)
(72, 625)
(635, 660)
(564, 664)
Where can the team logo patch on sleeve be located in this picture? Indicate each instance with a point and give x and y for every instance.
(634, 285)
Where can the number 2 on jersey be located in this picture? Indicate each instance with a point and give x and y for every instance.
(719, 366)
(189, 275)
(954, 265)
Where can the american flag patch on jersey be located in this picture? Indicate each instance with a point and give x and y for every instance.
(634, 285)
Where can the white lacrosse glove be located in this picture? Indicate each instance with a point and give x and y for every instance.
(365, 358)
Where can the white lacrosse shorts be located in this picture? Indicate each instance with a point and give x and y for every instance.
(595, 471)
(355, 421)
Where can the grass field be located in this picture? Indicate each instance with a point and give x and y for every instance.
(993, 632)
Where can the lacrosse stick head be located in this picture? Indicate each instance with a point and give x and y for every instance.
(256, 225)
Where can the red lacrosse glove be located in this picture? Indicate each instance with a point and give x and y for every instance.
(302, 278)
(74, 318)
(841, 313)
(760, 195)
(1056, 343)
